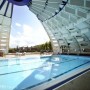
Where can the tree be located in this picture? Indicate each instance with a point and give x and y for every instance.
(42, 47)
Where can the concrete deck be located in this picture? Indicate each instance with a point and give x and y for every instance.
(80, 83)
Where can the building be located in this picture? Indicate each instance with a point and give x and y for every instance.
(67, 23)
(6, 10)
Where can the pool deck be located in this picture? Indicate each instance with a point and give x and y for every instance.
(80, 83)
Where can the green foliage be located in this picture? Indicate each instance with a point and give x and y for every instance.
(46, 47)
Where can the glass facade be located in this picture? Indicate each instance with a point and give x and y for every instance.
(67, 22)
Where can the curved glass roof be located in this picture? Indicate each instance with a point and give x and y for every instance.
(67, 22)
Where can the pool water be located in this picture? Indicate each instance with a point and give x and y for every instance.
(21, 73)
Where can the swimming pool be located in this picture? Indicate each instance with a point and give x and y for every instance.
(22, 73)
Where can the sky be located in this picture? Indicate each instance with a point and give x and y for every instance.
(26, 29)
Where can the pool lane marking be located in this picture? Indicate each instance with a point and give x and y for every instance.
(57, 76)
(41, 61)
(67, 80)
(41, 67)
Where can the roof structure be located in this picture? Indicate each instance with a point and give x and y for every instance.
(6, 10)
(67, 23)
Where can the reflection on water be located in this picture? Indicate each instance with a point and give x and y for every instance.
(39, 76)
(22, 73)
(56, 58)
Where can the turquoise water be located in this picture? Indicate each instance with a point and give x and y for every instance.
(21, 73)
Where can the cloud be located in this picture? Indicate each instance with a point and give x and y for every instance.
(18, 24)
(29, 37)
(26, 31)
